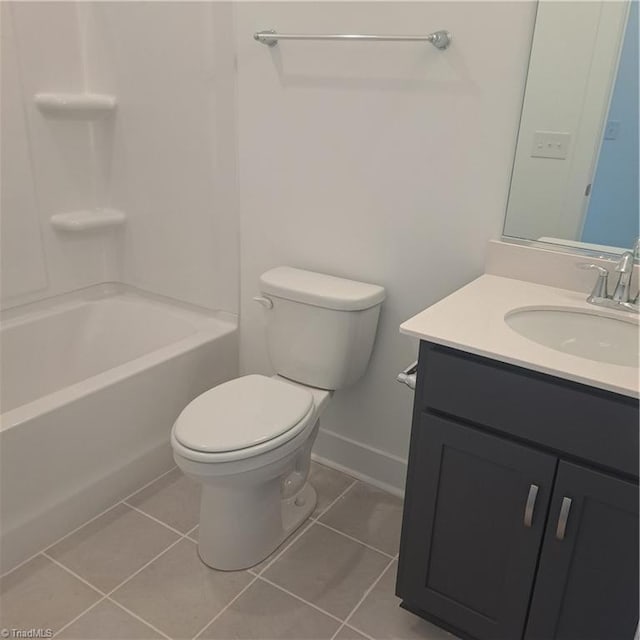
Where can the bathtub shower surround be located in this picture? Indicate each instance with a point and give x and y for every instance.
(91, 384)
(119, 120)
(125, 108)
(52, 167)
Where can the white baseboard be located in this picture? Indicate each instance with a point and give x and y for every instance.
(366, 463)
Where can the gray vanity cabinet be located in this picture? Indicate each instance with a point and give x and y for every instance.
(513, 529)
(473, 545)
(587, 583)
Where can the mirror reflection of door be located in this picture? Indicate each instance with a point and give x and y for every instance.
(575, 176)
(612, 206)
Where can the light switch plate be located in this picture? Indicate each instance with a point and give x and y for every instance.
(550, 144)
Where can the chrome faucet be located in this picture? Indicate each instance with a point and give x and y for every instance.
(621, 297)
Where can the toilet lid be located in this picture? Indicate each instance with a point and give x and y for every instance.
(241, 413)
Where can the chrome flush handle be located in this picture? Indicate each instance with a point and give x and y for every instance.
(267, 303)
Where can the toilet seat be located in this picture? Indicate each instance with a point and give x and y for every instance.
(242, 418)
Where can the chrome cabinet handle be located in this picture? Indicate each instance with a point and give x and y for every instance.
(531, 505)
(563, 518)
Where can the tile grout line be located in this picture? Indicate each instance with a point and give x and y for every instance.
(144, 566)
(300, 598)
(148, 484)
(225, 607)
(344, 625)
(103, 597)
(344, 493)
(362, 633)
(74, 574)
(191, 531)
(66, 535)
(68, 624)
(164, 524)
(346, 535)
(117, 604)
(366, 593)
(298, 534)
(106, 595)
(138, 617)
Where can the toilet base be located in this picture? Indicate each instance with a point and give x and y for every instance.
(297, 509)
(240, 528)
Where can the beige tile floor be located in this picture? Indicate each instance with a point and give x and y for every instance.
(133, 573)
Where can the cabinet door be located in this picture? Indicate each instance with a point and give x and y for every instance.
(470, 544)
(587, 585)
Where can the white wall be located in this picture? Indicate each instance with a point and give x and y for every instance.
(384, 162)
(47, 164)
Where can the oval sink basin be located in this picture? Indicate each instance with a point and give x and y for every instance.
(579, 333)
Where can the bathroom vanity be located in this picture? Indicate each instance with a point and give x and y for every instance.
(521, 508)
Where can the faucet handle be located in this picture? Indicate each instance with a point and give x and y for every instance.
(600, 287)
(636, 258)
(590, 265)
(625, 264)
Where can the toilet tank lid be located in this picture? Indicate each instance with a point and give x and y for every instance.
(320, 290)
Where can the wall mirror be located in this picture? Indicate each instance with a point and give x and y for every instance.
(575, 173)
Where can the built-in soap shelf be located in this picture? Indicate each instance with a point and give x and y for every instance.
(87, 220)
(82, 106)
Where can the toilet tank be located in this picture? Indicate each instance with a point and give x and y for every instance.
(320, 329)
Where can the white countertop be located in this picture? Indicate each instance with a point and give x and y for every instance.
(472, 319)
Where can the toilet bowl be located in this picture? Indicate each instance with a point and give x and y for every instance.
(248, 443)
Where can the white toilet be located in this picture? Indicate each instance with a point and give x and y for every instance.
(248, 441)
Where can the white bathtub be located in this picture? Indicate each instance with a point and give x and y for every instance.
(90, 386)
